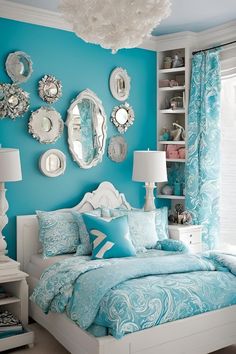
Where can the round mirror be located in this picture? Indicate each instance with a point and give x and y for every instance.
(52, 163)
(46, 125)
(14, 102)
(86, 123)
(19, 66)
(50, 89)
(122, 117)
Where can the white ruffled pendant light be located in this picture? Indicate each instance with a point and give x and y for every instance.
(114, 24)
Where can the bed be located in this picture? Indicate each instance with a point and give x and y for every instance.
(199, 334)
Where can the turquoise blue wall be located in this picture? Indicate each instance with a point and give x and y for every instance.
(79, 66)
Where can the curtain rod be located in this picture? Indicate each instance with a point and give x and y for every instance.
(218, 46)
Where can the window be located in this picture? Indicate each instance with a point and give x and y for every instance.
(228, 156)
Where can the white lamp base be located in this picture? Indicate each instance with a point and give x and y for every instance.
(149, 198)
(3, 220)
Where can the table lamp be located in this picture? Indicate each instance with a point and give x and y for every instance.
(10, 171)
(149, 167)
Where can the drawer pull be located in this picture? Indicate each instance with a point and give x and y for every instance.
(191, 235)
(190, 242)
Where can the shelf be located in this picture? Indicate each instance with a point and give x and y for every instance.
(9, 300)
(172, 142)
(172, 70)
(18, 340)
(176, 197)
(176, 160)
(174, 88)
(172, 111)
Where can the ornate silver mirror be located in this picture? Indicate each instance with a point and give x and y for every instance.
(19, 66)
(117, 148)
(46, 125)
(50, 89)
(52, 163)
(122, 117)
(14, 101)
(86, 123)
(120, 84)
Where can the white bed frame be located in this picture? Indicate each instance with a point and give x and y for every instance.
(200, 334)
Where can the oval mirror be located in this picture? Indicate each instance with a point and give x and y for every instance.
(52, 163)
(19, 66)
(86, 123)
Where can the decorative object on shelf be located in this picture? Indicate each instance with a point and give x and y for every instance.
(178, 133)
(177, 60)
(19, 67)
(149, 167)
(52, 163)
(115, 25)
(164, 83)
(176, 102)
(181, 152)
(165, 135)
(46, 125)
(14, 101)
(120, 84)
(174, 83)
(175, 152)
(122, 117)
(167, 190)
(10, 171)
(180, 216)
(50, 89)
(87, 130)
(167, 63)
(117, 148)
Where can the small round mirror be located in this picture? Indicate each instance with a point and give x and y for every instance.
(19, 66)
(13, 101)
(122, 116)
(46, 124)
(52, 163)
(50, 89)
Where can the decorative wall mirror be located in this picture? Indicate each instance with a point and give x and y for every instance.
(52, 163)
(19, 66)
(50, 89)
(120, 84)
(14, 101)
(122, 117)
(46, 125)
(117, 148)
(86, 123)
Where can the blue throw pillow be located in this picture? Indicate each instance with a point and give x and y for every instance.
(172, 246)
(58, 233)
(109, 238)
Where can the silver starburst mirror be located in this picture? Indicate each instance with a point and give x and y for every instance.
(50, 89)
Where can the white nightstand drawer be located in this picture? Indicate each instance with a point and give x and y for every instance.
(191, 237)
(197, 247)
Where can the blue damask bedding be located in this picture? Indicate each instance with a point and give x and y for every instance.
(129, 294)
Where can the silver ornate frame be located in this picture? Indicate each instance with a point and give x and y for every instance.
(48, 79)
(46, 137)
(112, 153)
(122, 128)
(11, 91)
(11, 64)
(42, 163)
(113, 83)
(90, 95)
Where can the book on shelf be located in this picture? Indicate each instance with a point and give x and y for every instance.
(9, 323)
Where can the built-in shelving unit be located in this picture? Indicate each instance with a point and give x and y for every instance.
(173, 82)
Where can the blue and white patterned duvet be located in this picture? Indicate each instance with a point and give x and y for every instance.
(129, 294)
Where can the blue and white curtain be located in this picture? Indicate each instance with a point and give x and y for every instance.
(203, 163)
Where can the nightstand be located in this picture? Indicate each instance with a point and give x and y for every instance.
(191, 235)
(13, 281)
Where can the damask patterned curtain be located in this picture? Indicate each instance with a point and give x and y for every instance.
(203, 163)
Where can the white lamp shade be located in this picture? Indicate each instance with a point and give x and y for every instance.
(149, 166)
(10, 167)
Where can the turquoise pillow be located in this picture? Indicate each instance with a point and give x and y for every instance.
(109, 238)
(172, 246)
(58, 233)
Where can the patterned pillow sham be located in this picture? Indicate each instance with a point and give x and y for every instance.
(58, 233)
(110, 238)
(84, 247)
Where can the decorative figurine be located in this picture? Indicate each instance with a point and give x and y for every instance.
(178, 133)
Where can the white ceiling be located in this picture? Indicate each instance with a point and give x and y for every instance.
(187, 15)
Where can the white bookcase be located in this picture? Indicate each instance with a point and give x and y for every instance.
(166, 116)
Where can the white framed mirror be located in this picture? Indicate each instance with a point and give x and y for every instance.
(52, 163)
(120, 84)
(46, 125)
(19, 66)
(122, 117)
(86, 122)
(117, 148)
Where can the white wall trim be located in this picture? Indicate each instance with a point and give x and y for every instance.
(33, 15)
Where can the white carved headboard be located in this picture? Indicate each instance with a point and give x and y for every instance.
(27, 225)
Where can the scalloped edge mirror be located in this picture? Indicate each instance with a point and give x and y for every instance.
(81, 140)
(52, 163)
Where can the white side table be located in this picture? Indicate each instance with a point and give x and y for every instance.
(14, 282)
(191, 235)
